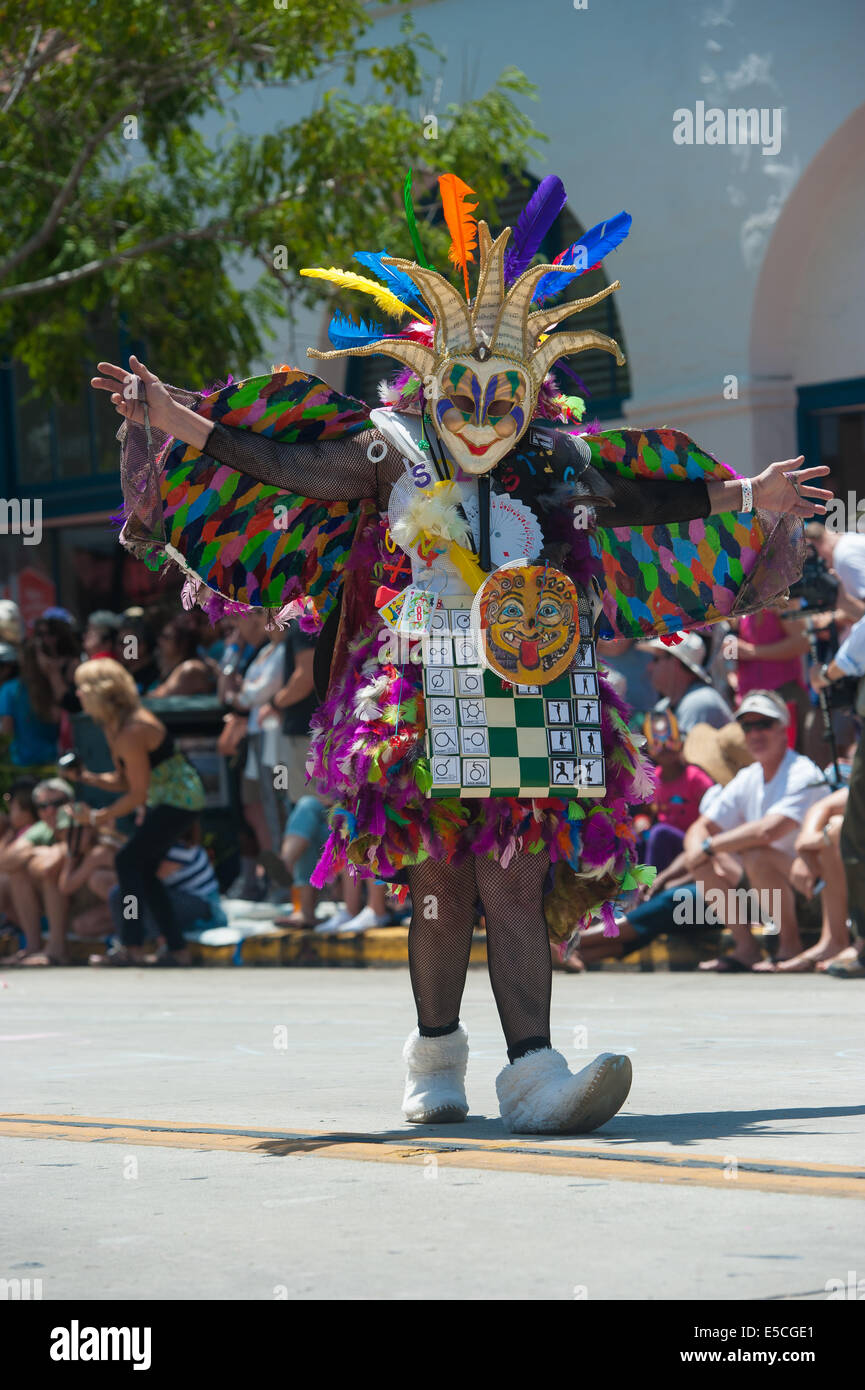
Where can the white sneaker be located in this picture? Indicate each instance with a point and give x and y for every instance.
(328, 925)
(435, 1079)
(365, 919)
(538, 1094)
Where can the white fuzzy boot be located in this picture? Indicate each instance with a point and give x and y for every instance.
(435, 1090)
(538, 1094)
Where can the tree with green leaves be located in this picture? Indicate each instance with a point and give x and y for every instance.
(118, 208)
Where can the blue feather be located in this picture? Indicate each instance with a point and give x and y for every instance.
(535, 220)
(345, 333)
(396, 280)
(591, 248)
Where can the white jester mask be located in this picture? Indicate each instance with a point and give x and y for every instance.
(480, 409)
(482, 376)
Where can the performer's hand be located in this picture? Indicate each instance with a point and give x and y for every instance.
(818, 680)
(774, 489)
(130, 388)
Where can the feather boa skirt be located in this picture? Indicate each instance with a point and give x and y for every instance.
(368, 757)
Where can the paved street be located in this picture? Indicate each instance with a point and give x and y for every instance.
(727, 1174)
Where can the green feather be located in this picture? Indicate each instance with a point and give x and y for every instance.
(412, 224)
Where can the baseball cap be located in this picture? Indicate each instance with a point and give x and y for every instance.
(767, 703)
(689, 650)
(103, 617)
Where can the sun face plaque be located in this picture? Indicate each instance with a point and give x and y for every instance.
(529, 621)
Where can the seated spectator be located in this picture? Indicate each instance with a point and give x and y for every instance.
(88, 874)
(183, 670)
(135, 649)
(680, 787)
(100, 634)
(20, 832)
(188, 878)
(741, 849)
(757, 818)
(33, 871)
(679, 676)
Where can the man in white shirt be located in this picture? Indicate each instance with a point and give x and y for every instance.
(756, 818)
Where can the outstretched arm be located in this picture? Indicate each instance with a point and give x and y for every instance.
(336, 470)
(650, 502)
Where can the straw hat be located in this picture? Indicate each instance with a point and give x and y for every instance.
(720, 752)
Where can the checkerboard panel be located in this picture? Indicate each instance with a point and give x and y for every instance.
(488, 738)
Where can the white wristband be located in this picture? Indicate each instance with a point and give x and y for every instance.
(747, 495)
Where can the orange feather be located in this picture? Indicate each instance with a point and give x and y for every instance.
(461, 224)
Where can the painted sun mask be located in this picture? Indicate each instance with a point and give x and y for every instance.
(529, 623)
(480, 410)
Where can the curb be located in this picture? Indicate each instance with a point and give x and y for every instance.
(382, 947)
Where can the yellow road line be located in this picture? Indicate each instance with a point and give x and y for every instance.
(540, 1154)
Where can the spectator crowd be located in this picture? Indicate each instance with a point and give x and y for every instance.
(757, 826)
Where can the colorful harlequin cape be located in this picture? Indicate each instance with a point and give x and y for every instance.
(243, 542)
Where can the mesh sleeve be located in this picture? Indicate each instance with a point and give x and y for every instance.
(653, 502)
(619, 501)
(336, 470)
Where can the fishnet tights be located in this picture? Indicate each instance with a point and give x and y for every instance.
(444, 902)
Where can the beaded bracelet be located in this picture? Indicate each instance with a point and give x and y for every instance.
(747, 495)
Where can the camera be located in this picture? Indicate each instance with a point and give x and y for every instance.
(817, 590)
(71, 764)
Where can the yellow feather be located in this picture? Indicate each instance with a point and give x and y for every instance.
(384, 298)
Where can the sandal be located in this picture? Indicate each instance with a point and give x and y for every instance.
(294, 923)
(114, 956)
(851, 970)
(19, 957)
(41, 958)
(166, 958)
(727, 965)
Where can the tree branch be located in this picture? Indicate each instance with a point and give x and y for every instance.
(33, 62)
(81, 272)
(90, 146)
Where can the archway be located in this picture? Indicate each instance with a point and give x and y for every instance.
(807, 346)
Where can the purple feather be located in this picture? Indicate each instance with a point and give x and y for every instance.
(535, 220)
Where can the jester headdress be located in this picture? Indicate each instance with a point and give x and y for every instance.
(489, 357)
(481, 363)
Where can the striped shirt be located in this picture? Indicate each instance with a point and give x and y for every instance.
(195, 872)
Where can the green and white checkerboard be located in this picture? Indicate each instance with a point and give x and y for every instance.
(488, 738)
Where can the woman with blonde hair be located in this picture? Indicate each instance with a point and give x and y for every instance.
(151, 774)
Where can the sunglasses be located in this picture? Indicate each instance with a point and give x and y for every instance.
(49, 805)
(759, 724)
